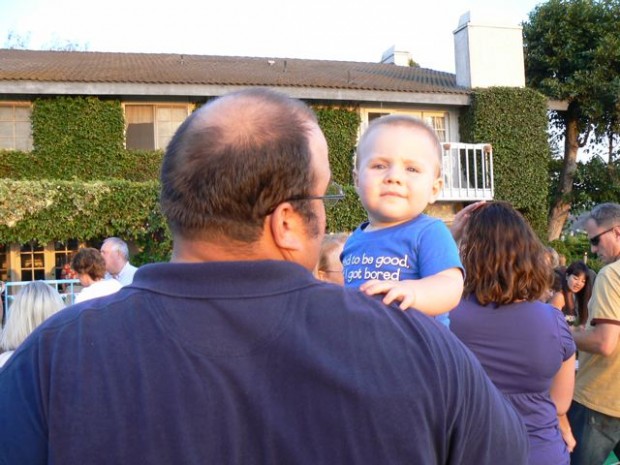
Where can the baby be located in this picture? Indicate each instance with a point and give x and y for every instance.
(410, 257)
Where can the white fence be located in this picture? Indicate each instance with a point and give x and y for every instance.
(467, 171)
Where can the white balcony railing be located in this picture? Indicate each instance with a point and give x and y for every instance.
(467, 172)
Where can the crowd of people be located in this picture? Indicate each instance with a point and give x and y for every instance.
(265, 341)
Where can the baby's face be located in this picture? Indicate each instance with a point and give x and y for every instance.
(397, 174)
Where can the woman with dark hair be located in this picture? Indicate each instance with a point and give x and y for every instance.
(576, 291)
(524, 344)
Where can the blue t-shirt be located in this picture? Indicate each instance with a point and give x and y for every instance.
(413, 250)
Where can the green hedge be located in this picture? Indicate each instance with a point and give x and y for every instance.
(49, 210)
(348, 214)
(130, 165)
(515, 122)
(340, 126)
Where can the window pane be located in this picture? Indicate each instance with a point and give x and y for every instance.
(22, 114)
(63, 251)
(22, 129)
(15, 128)
(164, 114)
(140, 127)
(139, 113)
(179, 114)
(4, 269)
(141, 136)
(169, 118)
(6, 113)
(24, 144)
(6, 130)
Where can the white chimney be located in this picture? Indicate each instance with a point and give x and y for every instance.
(487, 53)
(396, 55)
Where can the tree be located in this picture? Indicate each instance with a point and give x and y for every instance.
(15, 40)
(572, 53)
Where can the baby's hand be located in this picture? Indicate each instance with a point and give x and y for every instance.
(395, 291)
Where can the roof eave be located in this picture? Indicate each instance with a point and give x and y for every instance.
(212, 90)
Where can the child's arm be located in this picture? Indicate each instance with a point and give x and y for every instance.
(432, 295)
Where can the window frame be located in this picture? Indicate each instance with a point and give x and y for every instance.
(421, 113)
(155, 106)
(29, 141)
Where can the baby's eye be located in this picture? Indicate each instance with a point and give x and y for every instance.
(377, 166)
(412, 169)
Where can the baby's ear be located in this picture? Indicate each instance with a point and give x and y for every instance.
(436, 189)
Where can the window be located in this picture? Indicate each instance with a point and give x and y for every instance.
(438, 123)
(32, 262)
(151, 127)
(438, 120)
(15, 128)
(4, 263)
(63, 252)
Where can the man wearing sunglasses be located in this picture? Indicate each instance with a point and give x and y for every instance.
(595, 412)
(234, 353)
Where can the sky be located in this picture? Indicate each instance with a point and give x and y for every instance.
(347, 30)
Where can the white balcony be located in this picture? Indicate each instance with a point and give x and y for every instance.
(467, 172)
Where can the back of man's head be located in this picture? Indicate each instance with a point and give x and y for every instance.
(232, 161)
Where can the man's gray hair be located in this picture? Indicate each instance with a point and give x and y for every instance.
(119, 245)
(606, 214)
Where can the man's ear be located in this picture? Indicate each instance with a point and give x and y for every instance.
(436, 189)
(287, 227)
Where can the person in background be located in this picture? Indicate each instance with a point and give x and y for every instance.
(595, 412)
(234, 352)
(33, 304)
(524, 344)
(575, 293)
(90, 268)
(116, 255)
(400, 252)
(329, 268)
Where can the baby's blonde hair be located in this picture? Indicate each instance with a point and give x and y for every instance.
(402, 121)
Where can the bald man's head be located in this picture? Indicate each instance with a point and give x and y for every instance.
(233, 160)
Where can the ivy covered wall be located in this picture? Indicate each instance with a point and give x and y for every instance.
(79, 182)
(514, 121)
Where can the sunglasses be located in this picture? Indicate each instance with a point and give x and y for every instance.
(596, 239)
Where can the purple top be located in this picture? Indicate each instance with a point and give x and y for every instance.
(521, 346)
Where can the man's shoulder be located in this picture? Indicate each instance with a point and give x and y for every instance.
(610, 271)
(349, 307)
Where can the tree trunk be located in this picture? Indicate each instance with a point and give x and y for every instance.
(560, 208)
